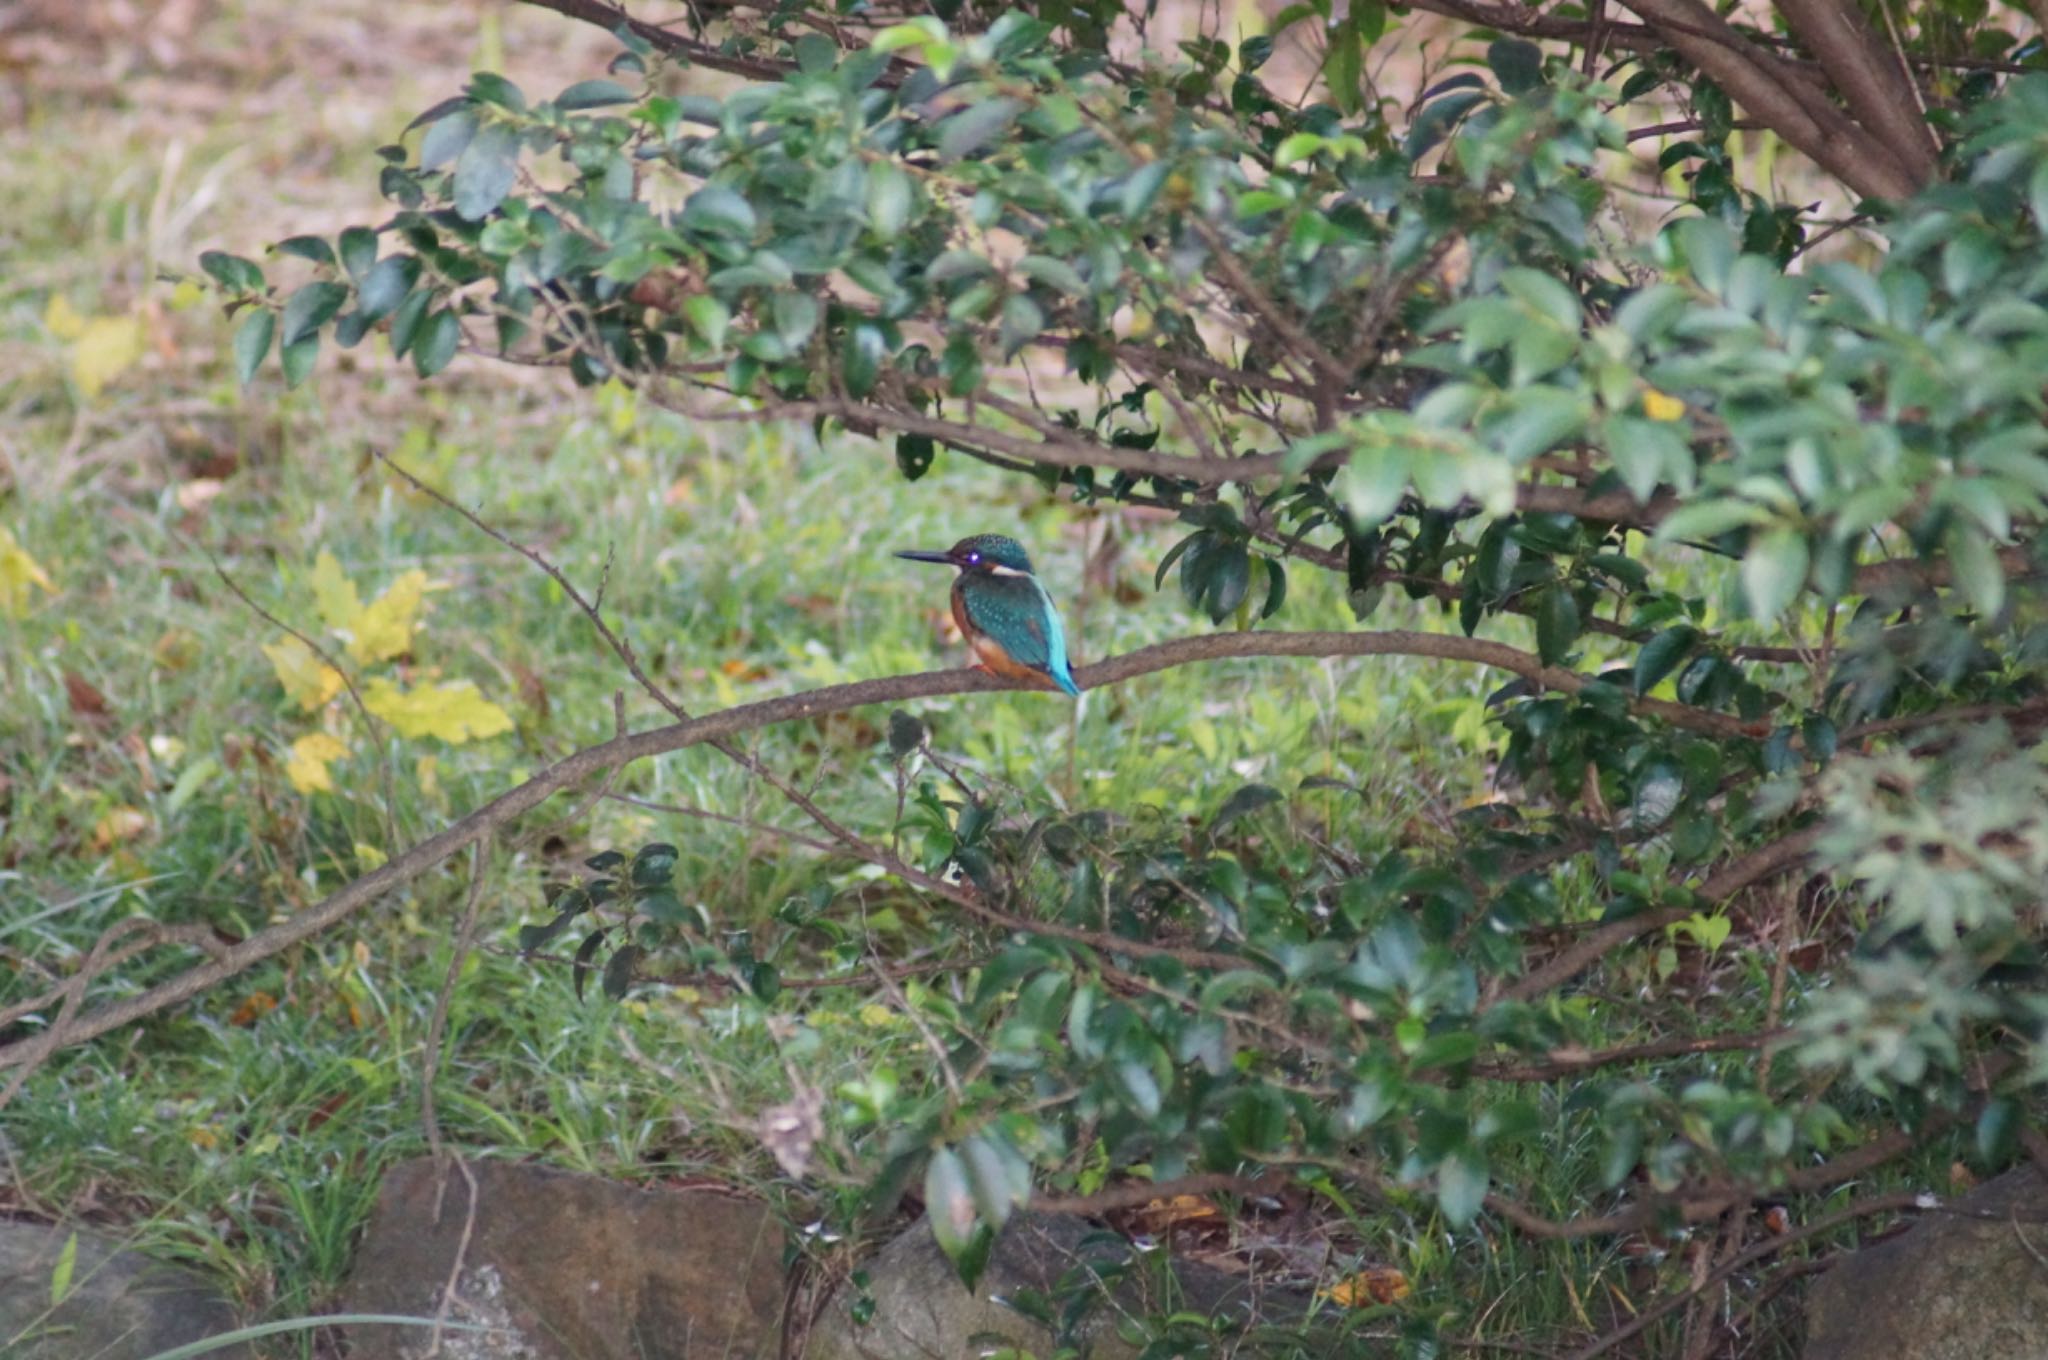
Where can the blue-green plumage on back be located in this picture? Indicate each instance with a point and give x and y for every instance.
(1008, 619)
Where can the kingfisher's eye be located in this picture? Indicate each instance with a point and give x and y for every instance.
(973, 558)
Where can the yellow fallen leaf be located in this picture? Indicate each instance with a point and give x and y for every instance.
(18, 571)
(374, 632)
(307, 768)
(452, 710)
(102, 347)
(427, 770)
(369, 857)
(385, 627)
(62, 318)
(1661, 405)
(877, 1016)
(1379, 1285)
(118, 825)
(308, 680)
(334, 593)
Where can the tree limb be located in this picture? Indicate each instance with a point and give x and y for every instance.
(1775, 92)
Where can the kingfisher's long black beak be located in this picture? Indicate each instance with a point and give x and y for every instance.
(924, 555)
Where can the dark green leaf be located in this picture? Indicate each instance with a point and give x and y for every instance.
(252, 342)
(888, 199)
(719, 211)
(593, 94)
(1229, 579)
(977, 125)
(914, 454)
(448, 138)
(437, 342)
(312, 307)
(232, 272)
(405, 322)
(1517, 65)
(619, 970)
(1661, 655)
(486, 170)
(307, 248)
(585, 952)
(998, 1177)
(1557, 623)
(860, 361)
(654, 865)
(1276, 587)
(492, 88)
(358, 252)
(297, 359)
(906, 734)
(385, 286)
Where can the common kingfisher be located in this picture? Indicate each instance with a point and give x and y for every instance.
(1004, 613)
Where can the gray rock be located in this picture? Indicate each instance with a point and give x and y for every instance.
(121, 1305)
(568, 1267)
(922, 1312)
(1968, 1283)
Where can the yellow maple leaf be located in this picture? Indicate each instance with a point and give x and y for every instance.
(1661, 405)
(334, 593)
(374, 632)
(18, 571)
(385, 627)
(102, 347)
(307, 768)
(308, 680)
(452, 710)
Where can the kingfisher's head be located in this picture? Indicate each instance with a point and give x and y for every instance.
(985, 554)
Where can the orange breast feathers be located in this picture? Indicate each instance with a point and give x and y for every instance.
(990, 655)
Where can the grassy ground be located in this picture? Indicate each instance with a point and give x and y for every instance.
(144, 737)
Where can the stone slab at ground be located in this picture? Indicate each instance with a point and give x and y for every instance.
(1967, 1282)
(121, 1303)
(568, 1267)
(921, 1309)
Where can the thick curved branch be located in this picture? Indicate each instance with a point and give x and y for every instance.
(595, 760)
(1777, 93)
(1876, 87)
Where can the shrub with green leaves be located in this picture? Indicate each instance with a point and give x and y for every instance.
(1765, 507)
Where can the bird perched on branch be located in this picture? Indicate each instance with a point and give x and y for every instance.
(1008, 619)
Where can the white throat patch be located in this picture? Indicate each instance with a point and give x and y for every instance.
(997, 569)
